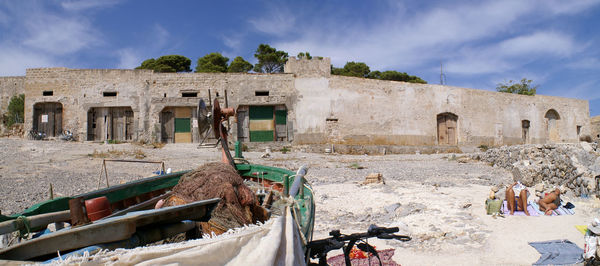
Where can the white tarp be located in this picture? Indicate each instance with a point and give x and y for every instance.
(276, 242)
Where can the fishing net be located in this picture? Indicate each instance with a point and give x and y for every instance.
(238, 204)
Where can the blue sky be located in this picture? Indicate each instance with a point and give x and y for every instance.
(481, 43)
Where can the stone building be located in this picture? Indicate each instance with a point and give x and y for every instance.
(305, 105)
(595, 124)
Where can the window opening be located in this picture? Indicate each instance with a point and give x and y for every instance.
(109, 94)
(189, 94)
(48, 93)
(261, 93)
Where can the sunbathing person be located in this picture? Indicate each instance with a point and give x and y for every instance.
(515, 202)
(550, 202)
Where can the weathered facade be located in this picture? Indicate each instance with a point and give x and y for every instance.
(304, 105)
(595, 124)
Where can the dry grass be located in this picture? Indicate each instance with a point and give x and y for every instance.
(137, 154)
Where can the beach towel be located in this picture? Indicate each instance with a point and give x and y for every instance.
(557, 252)
(530, 209)
(534, 210)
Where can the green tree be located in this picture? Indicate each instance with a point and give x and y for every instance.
(352, 69)
(270, 60)
(239, 65)
(167, 63)
(304, 55)
(16, 109)
(523, 87)
(213, 62)
(400, 76)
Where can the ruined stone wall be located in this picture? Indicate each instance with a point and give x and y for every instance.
(357, 111)
(302, 67)
(240, 88)
(147, 93)
(9, 87)
(595, 132)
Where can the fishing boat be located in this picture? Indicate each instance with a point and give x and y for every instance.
(133, 220)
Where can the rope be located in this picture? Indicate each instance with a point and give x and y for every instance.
(22, 224)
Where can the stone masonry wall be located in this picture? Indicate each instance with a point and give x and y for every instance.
(9, 87)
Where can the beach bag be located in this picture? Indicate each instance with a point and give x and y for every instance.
(492, 206)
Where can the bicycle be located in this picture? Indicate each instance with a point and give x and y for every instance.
(67, 135)
(320, 248)
(36, 135)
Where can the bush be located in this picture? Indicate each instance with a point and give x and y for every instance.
(16, 109)
(483, 147)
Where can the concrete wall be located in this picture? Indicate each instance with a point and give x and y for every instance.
(357, 111)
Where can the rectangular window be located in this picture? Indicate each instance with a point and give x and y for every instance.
(189, 94)
(261, 93)
(48, 93)
(109, 94)
(331, 119)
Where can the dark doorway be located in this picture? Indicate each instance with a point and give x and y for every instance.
(525, 129)
(47, 118)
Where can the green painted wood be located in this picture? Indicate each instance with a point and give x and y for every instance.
(261, 113)
(261, 136)
(280, 117)
(182, 125)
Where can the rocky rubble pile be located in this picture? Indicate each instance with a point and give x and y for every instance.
(573, 166)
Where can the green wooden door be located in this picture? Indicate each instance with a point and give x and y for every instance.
(262, 124)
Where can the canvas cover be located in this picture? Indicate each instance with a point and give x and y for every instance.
(276, 242)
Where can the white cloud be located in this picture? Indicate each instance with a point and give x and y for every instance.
(276, 21)
(128, 58)
(14, 61)
(511, 53)
(79, 5)
(403, 40)
(59, 35)
(551, 43)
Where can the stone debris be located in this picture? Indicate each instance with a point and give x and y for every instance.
(374, 178)
(551, 165)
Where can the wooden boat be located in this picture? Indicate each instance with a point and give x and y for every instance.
(142, 194)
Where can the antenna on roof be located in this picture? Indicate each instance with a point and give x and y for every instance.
(442, 75)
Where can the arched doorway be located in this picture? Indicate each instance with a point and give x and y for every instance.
(552, 118)
(446, 128)
(47, 118)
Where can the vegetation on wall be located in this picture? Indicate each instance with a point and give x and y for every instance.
(168, 63)
(523, 87)
(270, 60)
(239, 65)
(16, 108)
(360, 69)
(213, 62)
